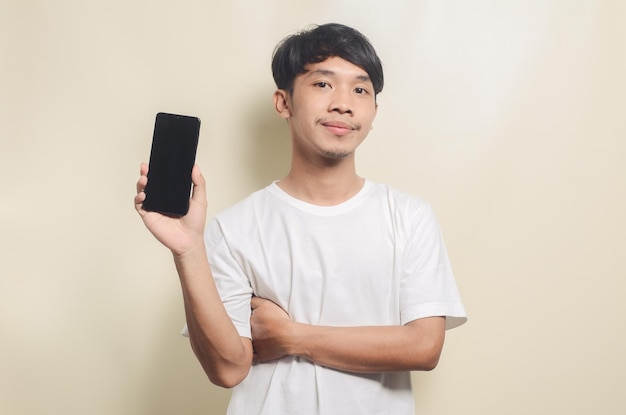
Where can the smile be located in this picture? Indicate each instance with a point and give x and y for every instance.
(339, 127)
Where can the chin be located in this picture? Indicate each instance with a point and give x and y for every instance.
(337, 155)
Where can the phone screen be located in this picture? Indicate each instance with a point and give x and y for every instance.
(172, 157)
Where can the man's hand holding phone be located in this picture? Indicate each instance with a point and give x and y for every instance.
(179, 234)
(163, 189)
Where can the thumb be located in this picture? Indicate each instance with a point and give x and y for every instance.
(199, 185)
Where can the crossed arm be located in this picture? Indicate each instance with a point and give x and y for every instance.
(414, 346)
(227, 357)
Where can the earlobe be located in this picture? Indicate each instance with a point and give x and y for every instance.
(281, 103)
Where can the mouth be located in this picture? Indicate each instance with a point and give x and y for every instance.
(339, 127)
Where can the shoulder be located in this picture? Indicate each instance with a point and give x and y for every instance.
(410, 216)
(399, 201)
(245, 206)
(243, 215)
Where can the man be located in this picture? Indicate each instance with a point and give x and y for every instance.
(320, 293)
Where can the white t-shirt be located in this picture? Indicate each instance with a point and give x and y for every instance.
(376, 259)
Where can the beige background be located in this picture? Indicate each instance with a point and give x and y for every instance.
(508, 116)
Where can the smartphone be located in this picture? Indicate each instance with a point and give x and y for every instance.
(172, 157)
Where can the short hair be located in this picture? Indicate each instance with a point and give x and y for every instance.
(316, 44)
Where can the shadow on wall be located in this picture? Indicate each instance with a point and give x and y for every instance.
(267, 138)
(176, 382)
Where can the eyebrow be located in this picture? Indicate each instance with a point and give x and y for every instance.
(363, 78)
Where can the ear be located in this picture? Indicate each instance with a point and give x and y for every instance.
(281, 103)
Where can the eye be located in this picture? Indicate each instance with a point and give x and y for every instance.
(361, 91)
(322, 84)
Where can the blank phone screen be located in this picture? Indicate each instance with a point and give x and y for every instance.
(172, 157)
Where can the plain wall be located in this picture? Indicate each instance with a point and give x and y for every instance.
(508, 116)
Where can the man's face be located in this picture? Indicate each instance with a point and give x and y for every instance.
(331, 109)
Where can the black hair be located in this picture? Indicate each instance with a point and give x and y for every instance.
(318, 43)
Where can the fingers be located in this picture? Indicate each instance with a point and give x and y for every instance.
(141, 185)
(143, 177)
(139, 199)
(255, 302)
(199, 186)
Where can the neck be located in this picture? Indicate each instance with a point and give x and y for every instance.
(326, 185)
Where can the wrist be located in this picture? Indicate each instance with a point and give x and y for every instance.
(191, 254)
(189, 248)
(297, 335)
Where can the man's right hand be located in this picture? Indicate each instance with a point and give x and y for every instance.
(178, 234)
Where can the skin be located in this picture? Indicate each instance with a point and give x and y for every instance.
(329, 114)
(224, 355)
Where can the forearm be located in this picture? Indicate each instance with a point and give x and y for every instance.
(370, 349)
(224, 355)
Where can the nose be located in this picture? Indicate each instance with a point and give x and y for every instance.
(341, 102)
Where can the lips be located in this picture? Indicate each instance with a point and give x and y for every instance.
(339, 127)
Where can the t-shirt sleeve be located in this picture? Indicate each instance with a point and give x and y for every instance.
(428, 287)
(232, 284)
